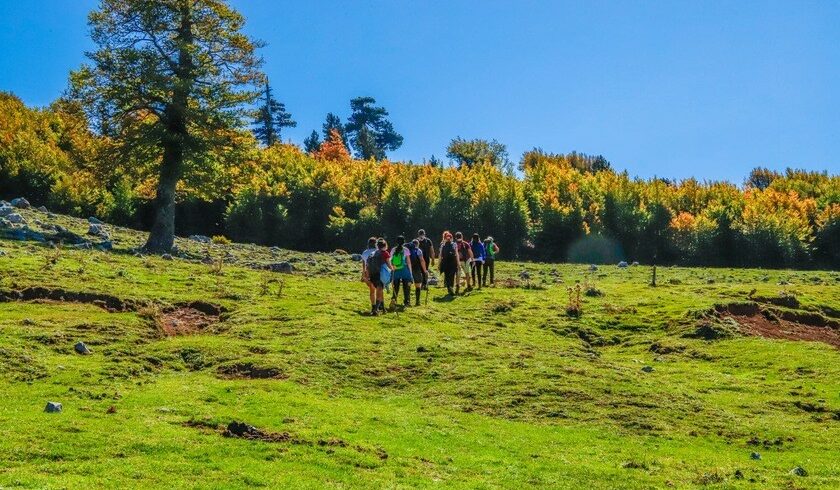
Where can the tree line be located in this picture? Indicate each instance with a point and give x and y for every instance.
(157, 131)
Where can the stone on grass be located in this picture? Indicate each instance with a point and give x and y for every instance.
(525, 276)
(166, 257)
(284, 267)
(94, 221)
(200, 238)
(4, 223)
(53, 407)
(593, 267)
(799, 471)
(755, 456)
(105, 245)
(6, 210)
(634, 263)
(2, 253)
(433, 281)
(356, 258)
(648, 369)
(42, 209)
(623, 264)
(15, 219)
(97, 230)
(21, 203)
(81, 348)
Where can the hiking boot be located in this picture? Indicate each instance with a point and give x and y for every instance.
(417, 302)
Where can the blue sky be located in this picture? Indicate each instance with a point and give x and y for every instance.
(672, 89)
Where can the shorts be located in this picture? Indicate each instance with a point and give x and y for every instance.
(419, 277)
(375, 280)
(464, 268)
(402, 275)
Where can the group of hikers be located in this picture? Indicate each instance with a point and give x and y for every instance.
(460, 261)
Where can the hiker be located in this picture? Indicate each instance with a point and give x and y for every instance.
(419, 271)
(448, 262)
(465, 257)
(371, 248)
(477, 265)
(401, 262)
(491, 249)
(428, 249)
(378, 261)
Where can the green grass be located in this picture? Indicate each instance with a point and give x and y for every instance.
(496, 389)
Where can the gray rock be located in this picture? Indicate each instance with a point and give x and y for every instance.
(21, 203)
(634, 263)
(200, 238)
(356, 257)
(275, 250)
(4, 203)
(648, 369)
(15, 219)
(433, 281)
(94, 221)
(52, 216)
(799, 471)
(525, 276)
(755, 456)
(4, 223)
(593, 267)
(42, 209)
(283, 267)
(53, 407)
(81, 348)
(2, 253)
(6, 210)
(166, 257)
(105, 245)
(97, 230)
(623, 264)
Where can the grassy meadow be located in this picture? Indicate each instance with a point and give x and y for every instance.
(498, 388)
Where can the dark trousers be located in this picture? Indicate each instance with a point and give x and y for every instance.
(476, 273)
(490, 267)
(449, 278)
(406, 290)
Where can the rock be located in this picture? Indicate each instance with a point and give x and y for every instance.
(15, 219)
(105, 245)
(623, 264)
(53, 407)
(200, 238)
(52, 216)
(2, 253)
(525, 276)
(42, 209)
(634, 263)
(275, 250)
(648, 369)
(97, 230)
(81, 348)
(755, 456)
(6, 210)
(593, 267)
(95, 221)
(433, 281)
(283, 267)
(799, 471)
(166, 257)
(356, 257)
(21, 203)
(4, 223)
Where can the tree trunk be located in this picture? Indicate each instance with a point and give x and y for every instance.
(175, 140)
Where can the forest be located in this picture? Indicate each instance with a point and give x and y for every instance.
(556, 207)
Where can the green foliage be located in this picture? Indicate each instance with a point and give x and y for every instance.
(369, 131)
(478, 151)
(271, 119)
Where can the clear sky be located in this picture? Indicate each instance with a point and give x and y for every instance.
(665, 88)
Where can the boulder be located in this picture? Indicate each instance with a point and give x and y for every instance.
(593, 267)
(97, 230)
(95, 221)
(283, 267)
(105, 245)
(81, 348)
(52, 216)
(53, 407)
(356, 257)
(623, 264)
(21, 203)
(42, 209)
(634, 263)
(166, 257)
(799, 471)
(6, 210)
(200, 238)
(4, 223)
(15, 219)
(648, 369)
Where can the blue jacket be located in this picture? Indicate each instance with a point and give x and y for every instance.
(478, 251)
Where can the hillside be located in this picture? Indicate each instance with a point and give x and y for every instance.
(715, 377)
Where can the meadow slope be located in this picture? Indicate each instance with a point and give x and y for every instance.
(499, 388)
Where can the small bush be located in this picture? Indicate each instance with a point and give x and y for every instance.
(220, 240)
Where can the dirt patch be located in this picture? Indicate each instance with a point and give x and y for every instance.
(245, 431)
(185, 320)
(104, 301)
(782, 328)
(247, 370)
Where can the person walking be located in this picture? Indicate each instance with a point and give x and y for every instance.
(464, 260)
(428, 250)
(448, 261)
(378, 261)
(419, 271)
(401, 262)
(371, 248)
(491, 249)
(478, 252)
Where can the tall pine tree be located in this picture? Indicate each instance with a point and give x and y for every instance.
(271, 119)
(370, 131)
(333, 122)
